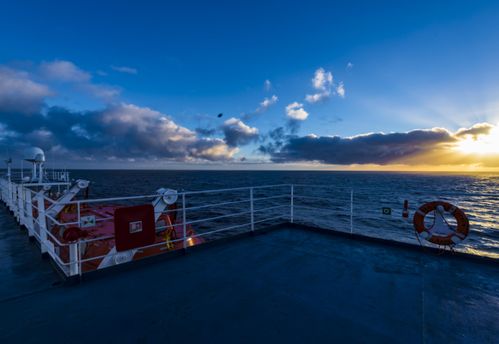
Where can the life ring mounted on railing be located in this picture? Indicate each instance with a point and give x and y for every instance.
(441, 232)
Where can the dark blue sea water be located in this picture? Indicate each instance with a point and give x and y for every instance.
(477, 194)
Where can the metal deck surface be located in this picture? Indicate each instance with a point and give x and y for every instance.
(286, 285)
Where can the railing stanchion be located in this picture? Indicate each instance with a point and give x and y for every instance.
(79, 257)
(184, 225)
(79, 213)
(20, 204)
(73, 259)
(42, 224)
(292, 206)
(252, 210)
(14, 201)
(29, 213)
(351, 211)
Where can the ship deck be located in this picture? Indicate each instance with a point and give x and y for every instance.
(289, 284)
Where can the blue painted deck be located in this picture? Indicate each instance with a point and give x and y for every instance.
(286, 285)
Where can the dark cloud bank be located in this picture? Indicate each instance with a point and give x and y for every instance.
(374, 148)
(118, 131)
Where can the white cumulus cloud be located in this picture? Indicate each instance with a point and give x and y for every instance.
(296, 112)
(323, 83)
(322, 79)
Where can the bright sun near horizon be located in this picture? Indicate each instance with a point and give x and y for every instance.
(487, 144)
(258, 86)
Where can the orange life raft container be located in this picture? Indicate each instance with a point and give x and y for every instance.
(99, 240)
(441, 233)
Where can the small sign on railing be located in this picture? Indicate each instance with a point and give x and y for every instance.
(87, 221)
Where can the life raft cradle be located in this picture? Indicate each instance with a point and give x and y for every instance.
(441, 232)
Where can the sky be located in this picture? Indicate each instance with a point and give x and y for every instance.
(385, 85)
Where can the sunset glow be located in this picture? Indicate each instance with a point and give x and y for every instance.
(481, 144)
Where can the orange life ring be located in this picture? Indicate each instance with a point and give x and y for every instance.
(454, 236)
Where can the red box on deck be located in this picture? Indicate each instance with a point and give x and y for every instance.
(134, 227)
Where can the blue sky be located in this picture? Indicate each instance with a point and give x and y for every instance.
(403, 66)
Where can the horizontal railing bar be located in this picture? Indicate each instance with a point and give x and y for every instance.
(217, 217)
(178, 193)
(138, 249)
(111, 199)
(216, 204)
(48, 184)
(234, 189)
(107, 237)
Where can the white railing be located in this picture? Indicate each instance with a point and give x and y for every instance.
(219, 213)
(56, 176)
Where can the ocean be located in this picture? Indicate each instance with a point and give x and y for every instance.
(343, 201)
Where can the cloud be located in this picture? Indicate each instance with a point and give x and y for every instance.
(322, 80)
(323, 83)
(237, 133)
(263, 106)
(266, 103)
(275, 139)
(206, 131)
(120, 131)
(18, 93)
(476, 130)
(436, 146)
(104, 92)
(67, 72)
(63, 71)
(295, 112)
(340, 90)
(267, 85)
(212, 150)
(124, 69)
(317, 97)
(374, 148)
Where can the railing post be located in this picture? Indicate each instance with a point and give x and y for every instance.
(42, 224)
(29, 212)
(14, 200)
(351, 211)
(20, 204)
(73, 259)
(80, 255)
(184, 225)
(292, 205)
(252, 210)
(78, 210)
(9, 197)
